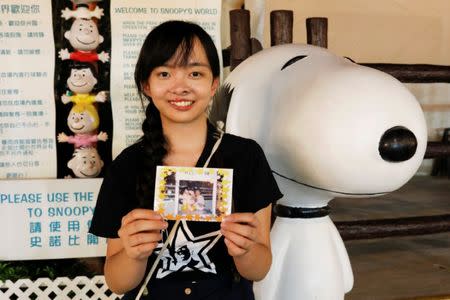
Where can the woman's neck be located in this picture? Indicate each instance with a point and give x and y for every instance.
(185, 142)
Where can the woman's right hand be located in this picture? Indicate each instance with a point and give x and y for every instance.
(140, 232)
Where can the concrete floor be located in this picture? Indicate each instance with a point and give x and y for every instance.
(400, 267)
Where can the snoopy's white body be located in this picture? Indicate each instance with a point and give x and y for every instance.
(319, 121)
(321, 251)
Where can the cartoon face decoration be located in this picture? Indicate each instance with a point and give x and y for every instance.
(86, 163)
(84, 35)
(81, 81)
(83, 119)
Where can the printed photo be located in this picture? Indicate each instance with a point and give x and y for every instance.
(195, 194)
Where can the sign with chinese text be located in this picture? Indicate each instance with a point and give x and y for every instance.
(46, 219)
(27, 113)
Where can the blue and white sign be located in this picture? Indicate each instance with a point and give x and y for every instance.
(47, 219)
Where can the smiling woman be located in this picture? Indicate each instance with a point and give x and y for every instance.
(177, 73)
(182, 94)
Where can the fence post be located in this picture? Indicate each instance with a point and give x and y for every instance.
(317, 31)
(239, 36)
(281, 26)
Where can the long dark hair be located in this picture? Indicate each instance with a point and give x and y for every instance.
(161, 44)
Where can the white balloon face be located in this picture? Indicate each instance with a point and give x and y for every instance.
(325, 122)
(84, 35)
(81, 81)
(86, 163)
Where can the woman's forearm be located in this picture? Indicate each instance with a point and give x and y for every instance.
(255, 264)
(123, 273)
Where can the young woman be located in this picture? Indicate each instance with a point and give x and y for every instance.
(177, 73)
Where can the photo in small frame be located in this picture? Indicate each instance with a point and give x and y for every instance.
(193, 194)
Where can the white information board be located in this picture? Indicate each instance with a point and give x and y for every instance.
(27, 109)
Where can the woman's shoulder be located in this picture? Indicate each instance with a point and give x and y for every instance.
(240, 143)
(129, 157)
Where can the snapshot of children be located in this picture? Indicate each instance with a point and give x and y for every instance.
(192, 201)
(177, 72)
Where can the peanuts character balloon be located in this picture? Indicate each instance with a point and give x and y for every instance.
(83, 120)
(84, 38)
(81, 81)
(328, 127)
(86, 163)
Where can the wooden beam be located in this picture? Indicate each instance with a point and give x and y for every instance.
(371, 229)
(414, 73)
(437, 149)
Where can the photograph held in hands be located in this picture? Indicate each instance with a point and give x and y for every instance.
(193, 194)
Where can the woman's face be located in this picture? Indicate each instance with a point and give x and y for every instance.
(182, 93)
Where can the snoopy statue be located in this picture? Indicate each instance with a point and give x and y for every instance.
(329, 128)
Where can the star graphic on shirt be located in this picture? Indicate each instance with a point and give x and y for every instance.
(187, 252)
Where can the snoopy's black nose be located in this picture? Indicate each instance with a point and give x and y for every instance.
(397, 144)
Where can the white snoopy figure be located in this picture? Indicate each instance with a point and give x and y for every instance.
(328, 127)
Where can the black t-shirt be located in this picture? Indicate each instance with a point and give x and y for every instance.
(197, 251)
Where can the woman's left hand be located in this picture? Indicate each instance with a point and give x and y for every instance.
(241, 231)
(247, 237)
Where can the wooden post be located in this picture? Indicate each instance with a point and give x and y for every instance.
(239, 36)
(281, 26)
(317, 32)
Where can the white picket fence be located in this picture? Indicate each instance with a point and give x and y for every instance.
(62, 288)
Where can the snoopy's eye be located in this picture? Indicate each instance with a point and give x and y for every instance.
(293, 60)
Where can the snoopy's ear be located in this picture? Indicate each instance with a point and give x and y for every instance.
(293, 60)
